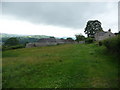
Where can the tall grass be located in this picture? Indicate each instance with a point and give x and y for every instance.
(62, 66)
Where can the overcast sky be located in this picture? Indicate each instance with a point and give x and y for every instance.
(59, 19)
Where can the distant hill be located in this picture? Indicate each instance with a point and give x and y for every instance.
(22, 38)
(4, 35)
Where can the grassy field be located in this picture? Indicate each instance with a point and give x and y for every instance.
(62, 66)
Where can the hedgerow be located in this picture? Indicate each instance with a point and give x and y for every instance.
(113, 44)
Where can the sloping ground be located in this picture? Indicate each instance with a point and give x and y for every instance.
(62, 66)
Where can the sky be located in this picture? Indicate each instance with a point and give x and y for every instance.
(59, 19)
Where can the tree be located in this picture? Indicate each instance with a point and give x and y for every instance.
(79, 37)
(69, 38)
(92, 27)
(12, 41)
(89, 40)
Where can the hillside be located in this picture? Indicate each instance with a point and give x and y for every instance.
(61, 66)
(4, 35)
(22, 38)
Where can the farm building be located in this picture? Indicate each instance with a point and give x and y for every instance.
(48, 42)
(103, 35)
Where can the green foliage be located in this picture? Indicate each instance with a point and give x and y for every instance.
(4, 47)
(100, 43)
(63, 66)
(89, 40)
(117, 33)
(92, 27)
(12, 41)
(80, 37)
(22, 38)
(113, 44)
(69, 38)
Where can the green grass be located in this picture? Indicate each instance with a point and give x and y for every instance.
(62, 66)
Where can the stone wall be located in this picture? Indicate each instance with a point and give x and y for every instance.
(48, 42)
(103, 35)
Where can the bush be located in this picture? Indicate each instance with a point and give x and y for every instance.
(80, 37)
(12, 41)
(100, 43)
(4, 47)
(113, 44)
(89, 40)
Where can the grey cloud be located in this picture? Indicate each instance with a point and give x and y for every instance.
(119, 15)
(66, 14)
(0, 8)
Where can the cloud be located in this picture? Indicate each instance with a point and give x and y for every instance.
(109, 18)
(64, 14)
(59, 19)
(0, 8)
(23, 27)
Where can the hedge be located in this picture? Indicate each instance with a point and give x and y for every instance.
(4, 47)
(113, 44)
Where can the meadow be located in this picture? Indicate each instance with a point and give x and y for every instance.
(61, 66)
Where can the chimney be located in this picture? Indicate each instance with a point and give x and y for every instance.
(109, 30)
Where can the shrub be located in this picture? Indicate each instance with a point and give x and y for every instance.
(100, 43)
(89, 40)
(4, 47)
(113, 44)
(80, 37)
(12, 41)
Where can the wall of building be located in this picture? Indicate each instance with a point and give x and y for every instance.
(105, 35)
(48, 43)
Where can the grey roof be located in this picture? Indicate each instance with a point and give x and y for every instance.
(44, 40)
(101, 33)
(47, 40)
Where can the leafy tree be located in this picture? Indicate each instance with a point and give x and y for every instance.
(92, 27)
(69, 38)
(79, 37)
(12, 41)
(61, 38)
